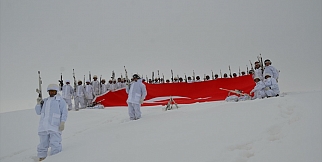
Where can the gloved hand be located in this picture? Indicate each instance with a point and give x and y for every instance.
(267, 88)
(39, 101)
(251, 92)
(62, 126)
(142, 100)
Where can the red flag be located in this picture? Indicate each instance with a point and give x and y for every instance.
(182, 93)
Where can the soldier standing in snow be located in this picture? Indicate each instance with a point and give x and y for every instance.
(136, 94)
(104, 87)
(258, 71)
(67, 93)
(113, 85)
(79, 96)
(96, 86)
(53, 115)
(89, 92)
(269, 69)
(189, 80)
(259, 89)
(216, 76)
(175, 80)
(119, 83)
(198, 79)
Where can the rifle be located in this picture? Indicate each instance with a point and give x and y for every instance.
(158, 76)
(230, 72)
(260, 60)
(75, 85)
(38, 90)
(234, 91)
(126, 77)
(251, 65)
(171, 75)
(90, 77)
(153, 76)
(193, 75)
(99, 90)
(113, 75)
(220, 74)
(61, 82)
(84, 82)
(212, 75)
(239, 71)
(247, 69)
(185, 78)
(162, 78)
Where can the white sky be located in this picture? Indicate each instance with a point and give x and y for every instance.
(145, 36)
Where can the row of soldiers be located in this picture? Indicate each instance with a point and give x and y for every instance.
(83, 94)
(86, 92)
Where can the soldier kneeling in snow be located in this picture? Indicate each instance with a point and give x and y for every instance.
(258, 90)
(53, 114)
(271, 88)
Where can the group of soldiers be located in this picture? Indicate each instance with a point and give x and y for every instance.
(264, 74)
(266, 79)
(83, 94)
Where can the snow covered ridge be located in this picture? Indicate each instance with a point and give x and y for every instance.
(279, 129)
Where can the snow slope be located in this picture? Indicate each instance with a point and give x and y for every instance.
(283, 129)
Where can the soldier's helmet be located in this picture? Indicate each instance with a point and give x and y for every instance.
(256, 79)
(53, 87)
(136, 76)
(267, 61)
(197, 77)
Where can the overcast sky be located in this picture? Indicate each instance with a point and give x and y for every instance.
(145, 35)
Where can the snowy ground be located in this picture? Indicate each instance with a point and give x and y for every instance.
(283, 129)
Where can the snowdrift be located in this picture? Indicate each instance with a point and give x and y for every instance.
(279, 129)
(182, 93)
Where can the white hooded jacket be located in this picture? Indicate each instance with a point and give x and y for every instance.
(67, 91)
(52, 113)
(136, 91)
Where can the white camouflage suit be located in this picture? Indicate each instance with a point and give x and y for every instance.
(136, 93)
(272, 87)
(52, 113)
(67, 94)
(96, 87)
(272, 71)
(89, 94)
(259, 90)
(79, 98)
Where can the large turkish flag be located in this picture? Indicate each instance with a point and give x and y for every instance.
(182, 93)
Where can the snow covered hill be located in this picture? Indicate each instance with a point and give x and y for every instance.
(282, 129)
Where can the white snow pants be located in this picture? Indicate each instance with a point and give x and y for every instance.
(49, 139)
(88, 101)
(270, 93)
(134, 111)
(259, 94)
(79, 101)
(69, 103)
